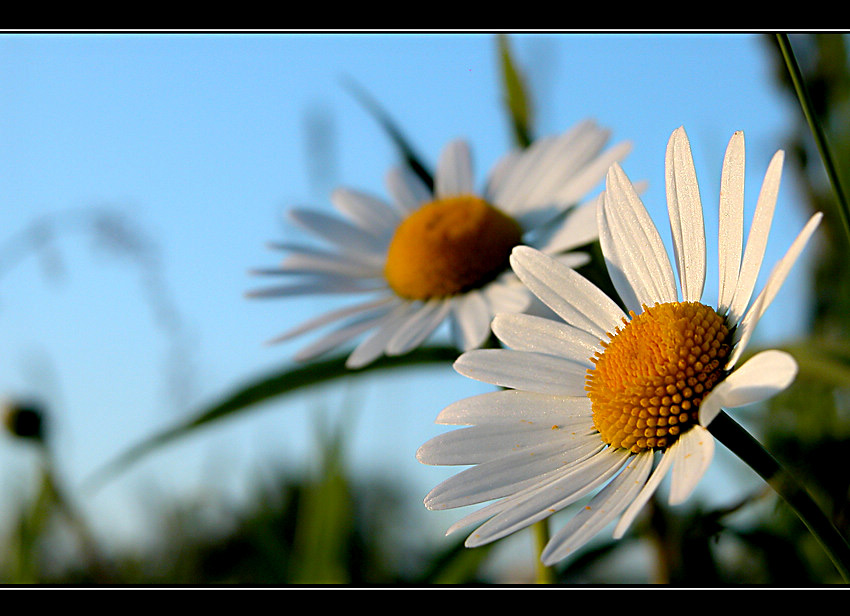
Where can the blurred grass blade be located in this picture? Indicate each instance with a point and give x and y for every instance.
(266, 389)
(817, 131)
(516, 99)
(457, 565)
(823, 361)
(325, 520)
(410, 157)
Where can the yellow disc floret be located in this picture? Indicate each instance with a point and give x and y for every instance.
(449, 246)
(647, 385)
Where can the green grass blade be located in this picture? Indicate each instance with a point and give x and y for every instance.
(817, 131)
(516, 99)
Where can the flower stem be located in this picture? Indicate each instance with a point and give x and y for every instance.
(544, 574)
(817, 131)
(742, 444)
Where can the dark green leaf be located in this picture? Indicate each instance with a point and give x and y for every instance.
(410, 157)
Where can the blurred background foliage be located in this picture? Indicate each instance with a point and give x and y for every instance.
(324, 527)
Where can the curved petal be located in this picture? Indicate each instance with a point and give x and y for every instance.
(685, 210)
(524, 332)
(575, 299)
(644, 495)
(603, 508)
(563, 490)
(511, 472)
(634, 253)
(757, 238)
(764, 375)
(771, 288)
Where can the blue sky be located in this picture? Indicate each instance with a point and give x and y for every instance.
(200, 141)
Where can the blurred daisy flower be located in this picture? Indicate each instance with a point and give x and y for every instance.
(444, 253)
(592, 400)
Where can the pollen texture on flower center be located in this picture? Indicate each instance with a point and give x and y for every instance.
(647, 385)
(449, 246)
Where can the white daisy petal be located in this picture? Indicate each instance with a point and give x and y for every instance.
(556, 157)
(454, 171)
(373, 261)
(601, 510)
(319, 262)
(644, 495)
(499, 174)
(511, 405)
(374, 345)
(368, 253)
(342, 335)
(526, 371)
(574, 260)
(418, 327)
(572, 297)
(507, 294)
(477, 444)
(326, 285)
(774, 283)
(635, 256)
(685, 210)
(370, 213)
(593, 173)
(579, 228)
(558, 433)
(471, 320)
(345, 236)
(731, 221)
(408, 190)
(523, 332)
(764, 375)
(692, 453)
(757, 239)
(510, 472)
(334, 315)
(564, 490)
(585, 467)
(558, 160)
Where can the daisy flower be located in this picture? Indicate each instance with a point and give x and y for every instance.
(443, 254)
(590, 403)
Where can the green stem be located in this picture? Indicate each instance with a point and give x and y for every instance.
(742, 444)
(543, 574)
(817, 130)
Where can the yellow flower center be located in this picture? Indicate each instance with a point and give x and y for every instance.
(647, 385)
(449, 246)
